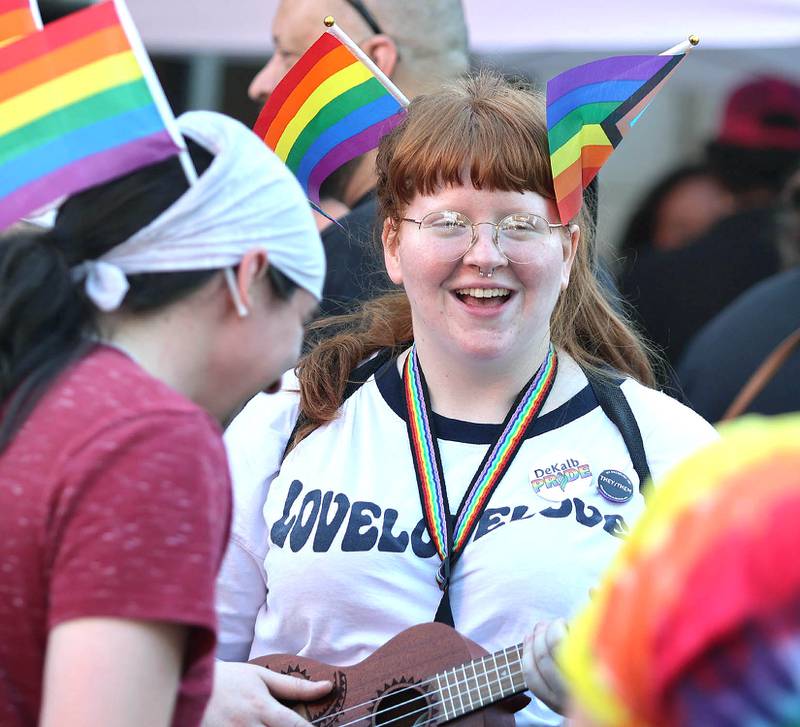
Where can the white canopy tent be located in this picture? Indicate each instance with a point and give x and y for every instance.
(242, 26)
(739, 39)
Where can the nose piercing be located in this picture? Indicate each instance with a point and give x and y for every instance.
(485, 275)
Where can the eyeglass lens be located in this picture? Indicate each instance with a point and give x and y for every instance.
(517, 235)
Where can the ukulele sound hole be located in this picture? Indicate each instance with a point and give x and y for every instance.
(405, 706)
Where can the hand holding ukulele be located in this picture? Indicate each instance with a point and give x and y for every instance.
(247, 695)
(542, 674)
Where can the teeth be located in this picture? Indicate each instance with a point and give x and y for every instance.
(484, 292)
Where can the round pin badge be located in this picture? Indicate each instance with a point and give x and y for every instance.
(561, 478)
(615, 486)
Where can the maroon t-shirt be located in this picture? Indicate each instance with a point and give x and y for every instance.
(114, 501)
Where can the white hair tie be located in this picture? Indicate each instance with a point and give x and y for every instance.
(105, 283)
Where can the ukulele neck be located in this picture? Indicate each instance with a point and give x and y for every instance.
(481, 682)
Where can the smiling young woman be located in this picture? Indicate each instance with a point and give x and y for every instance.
(475, 456)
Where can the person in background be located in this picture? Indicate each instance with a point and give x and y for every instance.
(762, 323)
(419, 44)
(500, 327)
(129, 333)
(755, 152)
(679, 207)
(697, 621)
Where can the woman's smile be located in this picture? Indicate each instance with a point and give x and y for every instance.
(483, 301)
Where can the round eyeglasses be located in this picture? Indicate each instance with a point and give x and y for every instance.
(452, 234)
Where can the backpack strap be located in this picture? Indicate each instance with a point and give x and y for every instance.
(615, 406)
(358, 377)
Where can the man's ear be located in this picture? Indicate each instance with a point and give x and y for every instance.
(391, 251)
(383, 52)
(252, 270)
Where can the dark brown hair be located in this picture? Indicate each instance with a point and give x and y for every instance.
(495, 132)
(46, 320)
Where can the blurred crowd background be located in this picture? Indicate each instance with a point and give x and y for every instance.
(206, 54)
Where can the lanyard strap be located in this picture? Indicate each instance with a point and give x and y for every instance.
(450, 534)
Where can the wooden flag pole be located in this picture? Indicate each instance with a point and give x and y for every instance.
(684, 47)
(335, 30)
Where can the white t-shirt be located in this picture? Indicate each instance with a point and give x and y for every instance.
(329, 557)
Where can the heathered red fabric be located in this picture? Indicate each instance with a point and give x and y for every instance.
(114, 501)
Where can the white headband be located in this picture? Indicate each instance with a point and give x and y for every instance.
(247, 198)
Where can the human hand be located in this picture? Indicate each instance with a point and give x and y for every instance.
(246, 695)
(542, 675)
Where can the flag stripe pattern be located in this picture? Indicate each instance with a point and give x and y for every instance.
(77, 108)
(17, 19)
(328, 109)
(589, 109)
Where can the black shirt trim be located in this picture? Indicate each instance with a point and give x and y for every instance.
(390, 386)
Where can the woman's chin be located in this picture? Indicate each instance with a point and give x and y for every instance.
(484, 347)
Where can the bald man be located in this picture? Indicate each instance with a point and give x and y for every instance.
(419, 44)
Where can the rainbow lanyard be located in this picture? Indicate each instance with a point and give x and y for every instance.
(448, 538)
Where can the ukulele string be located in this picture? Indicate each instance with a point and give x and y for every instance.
(515, 661)
(425, 708)
(423, 683)
(418, 696)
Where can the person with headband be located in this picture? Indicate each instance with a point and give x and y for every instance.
(484, 391)
(129, 334)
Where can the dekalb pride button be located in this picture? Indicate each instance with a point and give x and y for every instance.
(615, 486)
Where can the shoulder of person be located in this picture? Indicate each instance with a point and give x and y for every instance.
(768, 305)
(670, 430)
(148, 501)
(107, 385)
(262, 428)
(158, 473)
(107, 405)
(656, 410)
(255, 442)
(269, 414)
(174, 441)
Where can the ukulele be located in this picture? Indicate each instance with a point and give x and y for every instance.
(426, 675)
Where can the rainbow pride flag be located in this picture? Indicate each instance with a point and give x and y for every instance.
(590, 108)
(327, 110)
(716, 549)
(79, 105)
(18, 18)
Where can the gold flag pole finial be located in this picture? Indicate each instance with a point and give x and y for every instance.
(337, 32)
(684, 47)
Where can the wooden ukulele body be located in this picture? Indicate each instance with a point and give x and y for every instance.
(394, 686)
